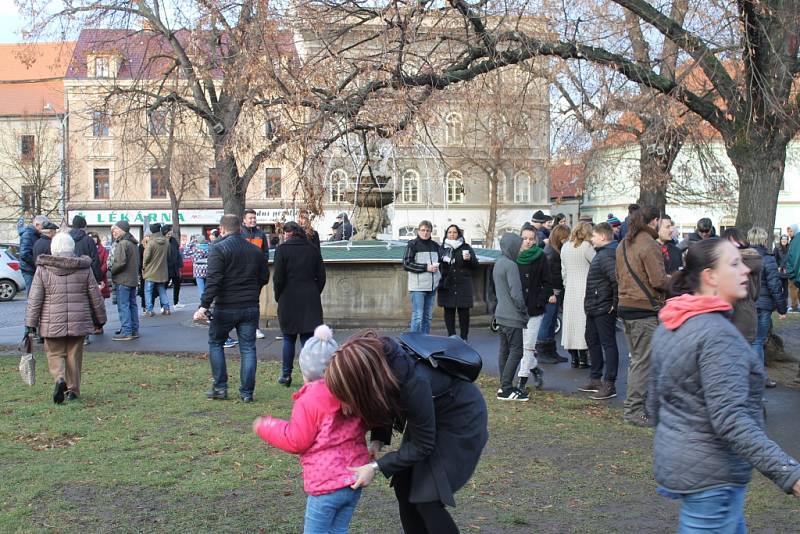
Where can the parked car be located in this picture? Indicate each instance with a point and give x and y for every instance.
(187, 275)
(13, 248)
(11, 281)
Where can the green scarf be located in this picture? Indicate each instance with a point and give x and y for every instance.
(526, 257)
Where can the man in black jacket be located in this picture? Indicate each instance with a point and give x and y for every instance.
(236, 273)
(85, 245)
(673, 256)
(421, 259)
(174, 265)
(600, 306)
(42, 245)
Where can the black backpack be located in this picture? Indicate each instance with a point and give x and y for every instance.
(450, 354)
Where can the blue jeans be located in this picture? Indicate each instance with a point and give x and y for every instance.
(718, 511)
(330, 513)
(28, 277)
(762, 330)
(162, 294)
(289, 344)
(245, 321)
(201, 286)
(128, 310)
(421, 311)
(547, 330)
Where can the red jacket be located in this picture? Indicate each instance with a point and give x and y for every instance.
(102, 255)
(327, 441)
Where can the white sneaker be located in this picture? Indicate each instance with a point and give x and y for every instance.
(179, 306)
(259, 334)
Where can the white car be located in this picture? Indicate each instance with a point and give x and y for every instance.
(11, 281)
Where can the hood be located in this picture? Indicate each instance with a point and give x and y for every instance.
(323, 398)
(159, 239)
(64, 265)
(510, 245)
(680, 309)
(127, 237)
(77, 234)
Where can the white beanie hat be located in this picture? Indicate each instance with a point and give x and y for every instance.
(316, 353)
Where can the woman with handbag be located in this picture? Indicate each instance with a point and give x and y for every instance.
(64, 306)
(455, 287)
(443, 419)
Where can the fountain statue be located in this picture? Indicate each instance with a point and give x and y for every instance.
(370, 217)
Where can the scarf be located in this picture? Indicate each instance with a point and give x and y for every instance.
(526, 257)
(450, 246)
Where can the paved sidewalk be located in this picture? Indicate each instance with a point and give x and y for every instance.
(178, 334)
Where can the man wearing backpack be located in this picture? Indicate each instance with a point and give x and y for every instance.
(642, 281)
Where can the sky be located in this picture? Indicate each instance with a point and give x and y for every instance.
(10, 22)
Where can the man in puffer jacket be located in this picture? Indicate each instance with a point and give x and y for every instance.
(770, 296)
(85, 245)
(421, 260)
(27, 239)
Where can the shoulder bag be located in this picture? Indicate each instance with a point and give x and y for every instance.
(653, 302)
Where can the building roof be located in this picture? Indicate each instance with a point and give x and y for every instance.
(566, 180)
(31, 77)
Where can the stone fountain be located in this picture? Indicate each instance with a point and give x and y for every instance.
(370, 217)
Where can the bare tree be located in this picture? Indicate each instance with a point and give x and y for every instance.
(30, 166)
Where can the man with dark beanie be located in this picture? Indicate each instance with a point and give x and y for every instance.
(174, 265)
(154, 271)
(85, 245)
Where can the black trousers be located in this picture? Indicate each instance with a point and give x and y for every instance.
(176, 288)
(463, 321)
(601, 337)
(424, 517)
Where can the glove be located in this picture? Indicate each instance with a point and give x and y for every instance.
(30, 330)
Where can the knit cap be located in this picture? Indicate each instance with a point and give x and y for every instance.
(613, 221)
(123, 225)
(316, 353)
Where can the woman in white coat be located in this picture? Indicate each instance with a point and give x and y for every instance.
(576, 256)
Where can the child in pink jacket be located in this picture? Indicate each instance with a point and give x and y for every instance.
(327, 441)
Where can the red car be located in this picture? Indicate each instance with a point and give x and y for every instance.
(186, 270)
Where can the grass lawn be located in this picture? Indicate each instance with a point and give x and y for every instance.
(144, 451)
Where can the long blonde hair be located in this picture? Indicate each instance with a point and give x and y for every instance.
(581, 233)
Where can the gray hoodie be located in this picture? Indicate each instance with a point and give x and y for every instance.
(511, 310)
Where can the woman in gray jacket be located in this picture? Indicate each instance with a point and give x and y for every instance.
(705, 397)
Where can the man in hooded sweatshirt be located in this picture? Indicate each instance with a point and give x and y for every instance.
(155, 271)
(85, 245)
(511, 316)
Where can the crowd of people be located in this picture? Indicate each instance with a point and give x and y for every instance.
(695, 315)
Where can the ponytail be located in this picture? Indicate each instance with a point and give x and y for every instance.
(701, 255)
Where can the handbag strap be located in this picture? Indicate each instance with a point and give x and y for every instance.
(638, 281)
(26, 344)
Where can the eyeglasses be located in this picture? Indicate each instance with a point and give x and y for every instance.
(704, 230)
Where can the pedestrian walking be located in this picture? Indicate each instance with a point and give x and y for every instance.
(641, 285)
(576, 257)
(125, 277)
(85, 245)
(455, 288)
(328, 441)
(770, 296)
(546, 348)
(256, 236)
(174, 265)
(511, 316)
(600, 305)
(706, 396)
(421, 259)
(236, 273)
(64, 305)
(537, 290)
(298, 283)
(745, 315)
(42, 245)
(444, 421)
(155, 271)
(27, 239)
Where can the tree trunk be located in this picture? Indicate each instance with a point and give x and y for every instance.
(760, 165)
(174, 204)
(659, 145)
(492, 223)
(232, 186)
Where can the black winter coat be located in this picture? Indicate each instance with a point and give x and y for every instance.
(554, 264)
(42, 246)
(174, 259)
(298, 281)
(444, 425)
(782, 259)
(27, 239)
(536, 286)
(601, 282)
(236, 273)
(673, 256)
(455, 287)
(85, 246)
(770, 297)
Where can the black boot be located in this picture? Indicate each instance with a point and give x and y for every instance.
(575, 358)
(553, 348)
(543, 352)
(583, 359)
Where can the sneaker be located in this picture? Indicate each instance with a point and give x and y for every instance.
(513, 394)
(230, 343)
(217, 394)
(87, 341)
(246, 399)
(135, 335)
(641, 421)
(538, 377)
(71, 396)
(179, 306)
(592, 386)
(149, 314)
(607, 391)
(259, 334)
(58, 392)
(123, 337)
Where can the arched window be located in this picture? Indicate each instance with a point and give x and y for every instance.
(455, 187)
(337, 185)
(522, 187)
(410, 189)
(454, 128)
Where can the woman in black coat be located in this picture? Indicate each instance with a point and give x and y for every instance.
(443, 420)
(298, 281)
(455, 288)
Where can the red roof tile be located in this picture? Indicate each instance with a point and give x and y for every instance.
(31, 78)
(566, 181)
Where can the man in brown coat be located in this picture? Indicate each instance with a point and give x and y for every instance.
(155, 271)
(64, 305)
(642, 283)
